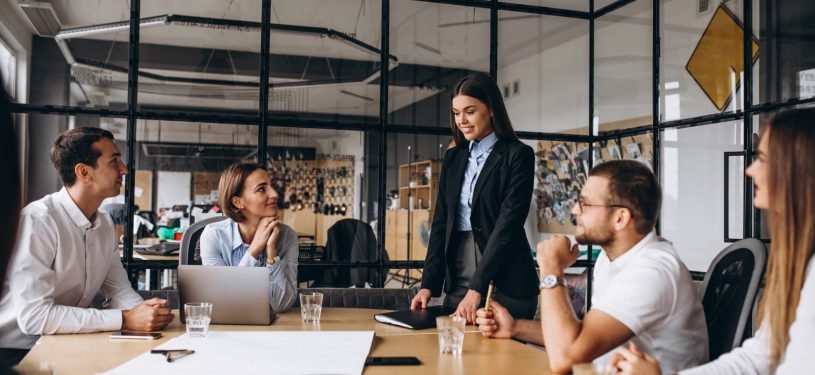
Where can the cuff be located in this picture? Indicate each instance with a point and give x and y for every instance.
(112, 319)
(249, 261)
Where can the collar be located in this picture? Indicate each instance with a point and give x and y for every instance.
(73, 210)
(486, 145)
(626, 258)
(237, 241)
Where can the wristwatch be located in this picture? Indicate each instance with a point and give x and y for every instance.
(273, 260)
(551, 281)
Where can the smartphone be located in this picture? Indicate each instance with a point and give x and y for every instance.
(392, 361)
(130, 335)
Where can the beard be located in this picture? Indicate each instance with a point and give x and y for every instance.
(598, 236)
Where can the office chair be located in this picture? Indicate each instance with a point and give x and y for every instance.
(364, 298)
(189, 241)
(350, 239)
(729, 292)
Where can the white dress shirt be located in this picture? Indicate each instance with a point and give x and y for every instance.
(479, 152)
(753, 357)
(222, 245)
(61, 262)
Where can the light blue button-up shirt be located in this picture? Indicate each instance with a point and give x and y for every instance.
(479, 152)
(222, 245)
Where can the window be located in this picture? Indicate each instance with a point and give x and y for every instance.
(8, 68)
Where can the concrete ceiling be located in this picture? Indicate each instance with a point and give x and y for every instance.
(423, 35)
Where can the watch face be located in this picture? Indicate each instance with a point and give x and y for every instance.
(549, 281)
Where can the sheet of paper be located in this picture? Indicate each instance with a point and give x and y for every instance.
(259, 352)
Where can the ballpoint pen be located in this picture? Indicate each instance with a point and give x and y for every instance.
(172, 354)
(489, 298)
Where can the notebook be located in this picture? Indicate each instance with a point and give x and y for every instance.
(239, 295)
(414, 319)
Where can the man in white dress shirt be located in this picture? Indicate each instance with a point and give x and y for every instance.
(66, 254)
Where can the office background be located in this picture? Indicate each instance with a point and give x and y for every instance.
(356, 93)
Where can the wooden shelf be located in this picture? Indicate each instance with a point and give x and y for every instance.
(426, 192)
(398, 243)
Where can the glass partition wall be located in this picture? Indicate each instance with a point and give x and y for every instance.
(347, 105)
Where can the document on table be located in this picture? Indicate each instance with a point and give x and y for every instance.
(259, 352)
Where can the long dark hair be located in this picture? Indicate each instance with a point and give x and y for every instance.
(483, 88)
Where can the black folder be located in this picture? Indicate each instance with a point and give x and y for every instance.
(414, 319)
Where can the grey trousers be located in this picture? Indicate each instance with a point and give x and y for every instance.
(466, 259)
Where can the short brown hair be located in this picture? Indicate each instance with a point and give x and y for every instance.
(231, 185)
(76, 146)
(633, 185)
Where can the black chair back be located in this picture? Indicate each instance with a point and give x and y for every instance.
(364, 298)
(350, 239)
(190, 250)
(729, 292)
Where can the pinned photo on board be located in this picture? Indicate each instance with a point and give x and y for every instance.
(614, 151)
(633, 150)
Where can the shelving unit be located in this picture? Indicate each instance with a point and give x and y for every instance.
(418, 187)
(420, 181)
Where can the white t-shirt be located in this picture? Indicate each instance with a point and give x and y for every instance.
(649, 290)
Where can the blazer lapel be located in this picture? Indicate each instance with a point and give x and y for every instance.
(493, 160)
(455, 177)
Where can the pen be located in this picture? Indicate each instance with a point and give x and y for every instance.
(172, 354)
(489, 298)
(162, 351)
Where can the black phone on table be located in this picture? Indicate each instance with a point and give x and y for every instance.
(131, 335)
(392, 361)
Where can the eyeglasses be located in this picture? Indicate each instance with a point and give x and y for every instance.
(582, 205)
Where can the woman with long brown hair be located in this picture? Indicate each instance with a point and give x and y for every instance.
(784, 177)
(485, 189)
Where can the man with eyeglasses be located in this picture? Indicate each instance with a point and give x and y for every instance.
(643, 293)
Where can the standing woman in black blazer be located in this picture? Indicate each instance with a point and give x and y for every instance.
(485, 190)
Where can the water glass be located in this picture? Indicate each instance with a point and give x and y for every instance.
(197, 316)
(451, 334)
(311, 306)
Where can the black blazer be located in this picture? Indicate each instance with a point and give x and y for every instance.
(501, 199)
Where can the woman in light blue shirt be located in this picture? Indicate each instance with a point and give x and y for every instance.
(253, 236)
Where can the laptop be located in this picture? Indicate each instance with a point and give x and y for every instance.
(239, 295)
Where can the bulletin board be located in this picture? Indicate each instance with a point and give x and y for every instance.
(143, 192)
(561, 170)
(205, 187)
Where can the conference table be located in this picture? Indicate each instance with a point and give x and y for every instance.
(95, 352)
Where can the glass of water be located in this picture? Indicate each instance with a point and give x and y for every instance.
(451, 334)
(311, 306)
(197, 316)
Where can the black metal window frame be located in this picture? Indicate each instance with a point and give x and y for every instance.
(264, 119)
